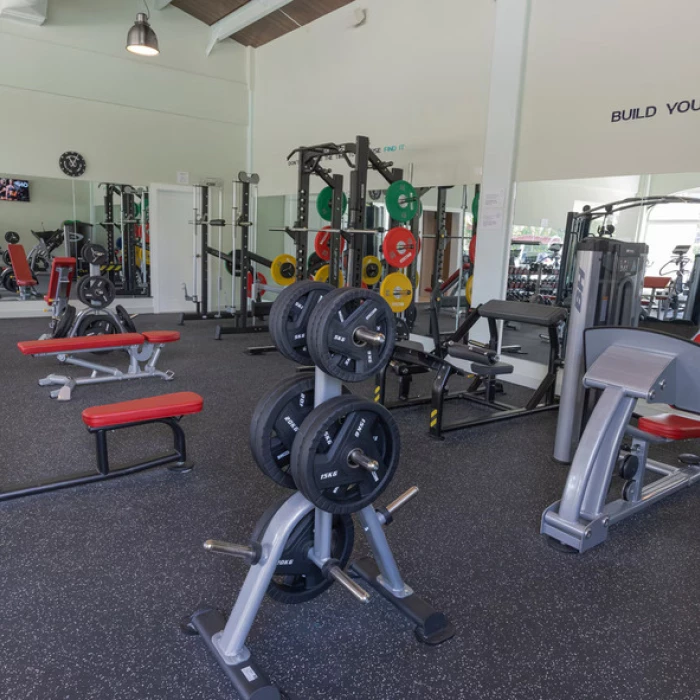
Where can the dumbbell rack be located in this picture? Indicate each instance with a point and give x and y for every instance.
(527, 282)
(226, 638)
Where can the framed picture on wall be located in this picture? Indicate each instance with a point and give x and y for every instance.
(14, 190)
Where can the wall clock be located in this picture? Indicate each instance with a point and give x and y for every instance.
(72, 164)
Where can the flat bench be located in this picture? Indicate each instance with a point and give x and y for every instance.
(100, 420)
(523, 312)
(143, 350)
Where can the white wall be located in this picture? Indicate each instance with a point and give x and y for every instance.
(71, 85)
(588, 59)
(415, 74)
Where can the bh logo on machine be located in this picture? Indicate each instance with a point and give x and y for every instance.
(679, 107)
(578, 298)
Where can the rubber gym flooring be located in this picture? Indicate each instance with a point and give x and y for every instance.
(95, 580)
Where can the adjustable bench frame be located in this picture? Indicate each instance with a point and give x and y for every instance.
(142, 364)
(177, 459)
(627, 365)
(484, 370)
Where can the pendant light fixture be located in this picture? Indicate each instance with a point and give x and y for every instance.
(141, 39)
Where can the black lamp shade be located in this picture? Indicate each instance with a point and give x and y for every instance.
(142, 39)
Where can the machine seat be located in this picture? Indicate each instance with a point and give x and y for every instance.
(523, 312)
(671, 426)
(139, 410)
(491, 370)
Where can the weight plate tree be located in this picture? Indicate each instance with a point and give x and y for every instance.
(275, 423)
(345, 454)
(352, 334)
(297, 579)
(289, 318)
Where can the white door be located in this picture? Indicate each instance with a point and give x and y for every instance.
(171, 246)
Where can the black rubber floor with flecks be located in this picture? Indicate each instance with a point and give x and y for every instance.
(94, 580)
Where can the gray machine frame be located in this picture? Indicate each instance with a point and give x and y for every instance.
(627, 365)
(608, 279)
(226, 639)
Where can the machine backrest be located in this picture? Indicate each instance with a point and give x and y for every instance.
(656, 282)
(20, 265)
(685, 395)
(57, 265)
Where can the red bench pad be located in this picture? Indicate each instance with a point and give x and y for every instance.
(157, 337)
(669, 425)
(153, 408)
(88, 342)
(656, 282)
(20, 265)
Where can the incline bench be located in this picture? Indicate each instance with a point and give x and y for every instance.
(25, 280)
(100, 420)
(141, 348)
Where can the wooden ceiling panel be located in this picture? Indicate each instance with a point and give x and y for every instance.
(209, 11)
(265, 30)
(293, 15)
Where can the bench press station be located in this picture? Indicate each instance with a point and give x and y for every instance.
(141, 347)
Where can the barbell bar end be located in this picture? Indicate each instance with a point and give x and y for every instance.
(336, 573)
(241, 551)
(358, 458)
(370, 337)
(403, 499)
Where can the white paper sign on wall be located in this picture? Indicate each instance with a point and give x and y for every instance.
(183, 178)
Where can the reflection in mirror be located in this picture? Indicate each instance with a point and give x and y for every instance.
(450, 264)
(669, 227)
(53, 218)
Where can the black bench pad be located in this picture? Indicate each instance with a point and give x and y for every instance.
(523, 312)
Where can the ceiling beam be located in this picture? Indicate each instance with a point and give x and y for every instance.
(162, 4)
(241, 18)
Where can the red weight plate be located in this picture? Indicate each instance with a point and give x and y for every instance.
(261, 280)
(399, 247)
(322, 244)
(472, 249)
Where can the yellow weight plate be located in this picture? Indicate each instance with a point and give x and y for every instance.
(468, 289)
(398, 291)
(371, 270)
(284, 270)
(323, 273)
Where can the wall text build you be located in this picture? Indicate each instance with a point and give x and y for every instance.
(671, 108)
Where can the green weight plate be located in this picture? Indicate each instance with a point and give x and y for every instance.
(324, 203)
(402, 201)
